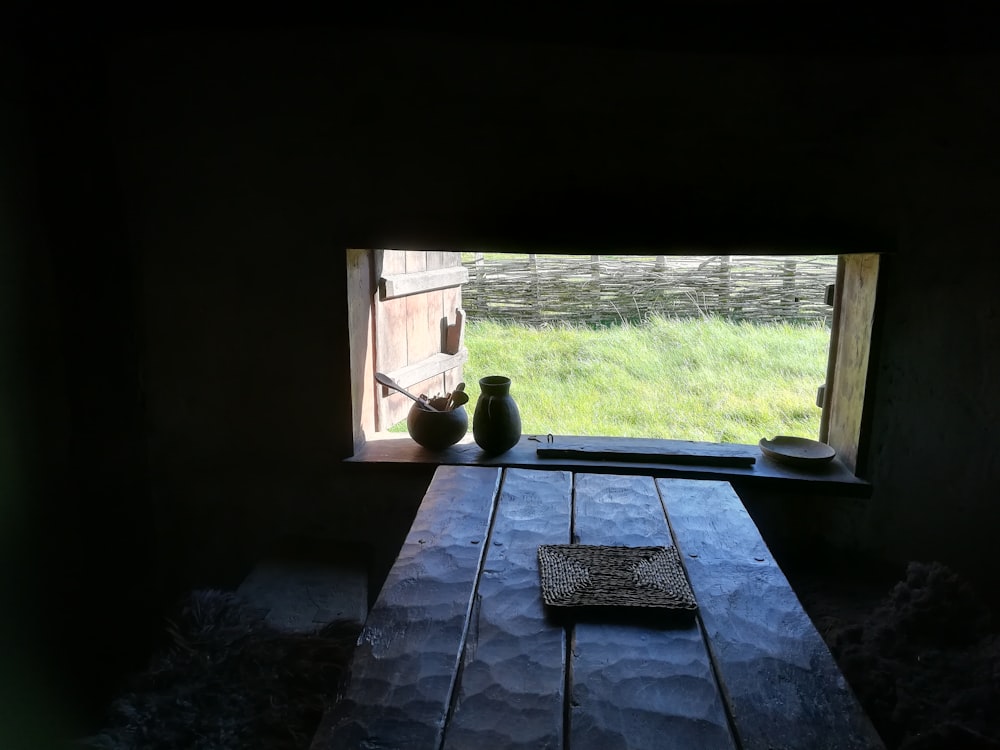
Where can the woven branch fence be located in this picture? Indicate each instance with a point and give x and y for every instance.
(600, 289)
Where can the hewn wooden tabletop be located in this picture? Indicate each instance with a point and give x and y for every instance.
(459, 650)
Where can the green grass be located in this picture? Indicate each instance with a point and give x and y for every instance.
(706, 380)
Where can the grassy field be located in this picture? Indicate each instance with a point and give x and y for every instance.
(696, 380)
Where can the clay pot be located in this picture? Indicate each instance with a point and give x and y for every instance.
(437, 430)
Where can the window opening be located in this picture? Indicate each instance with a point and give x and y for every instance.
(721, 348)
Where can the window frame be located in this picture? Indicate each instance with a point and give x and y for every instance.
(852, 357)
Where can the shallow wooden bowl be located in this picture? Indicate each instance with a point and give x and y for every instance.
(797, 451)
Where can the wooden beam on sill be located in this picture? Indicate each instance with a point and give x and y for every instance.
(653, 453)
(427, 368)
(403, 284)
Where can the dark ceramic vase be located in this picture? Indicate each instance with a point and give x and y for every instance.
(496, 424)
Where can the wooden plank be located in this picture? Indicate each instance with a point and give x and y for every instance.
(666, 452)
(782, 685)
(390, 340)
(428, 368)
(451, 300)
(423, 329)
(650, 447)
(403, 670)
(390, 355)
(392, 286)
(437, 323)
(422, 338)
(832, 478)
(851, 356)
(361, 332)
(637, 686)
(439, 259)
(416, 261)
(513, 679)
(455, 339)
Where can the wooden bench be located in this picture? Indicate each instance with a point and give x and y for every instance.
(460, 652)
(305, 583)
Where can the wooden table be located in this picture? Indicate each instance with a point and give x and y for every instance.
(459, 651)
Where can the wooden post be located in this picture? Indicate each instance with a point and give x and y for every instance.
(535, 290)
(789, 304)
(595, 283)
(848, 400)
(362, 289)
(725, 285)
(481, 297)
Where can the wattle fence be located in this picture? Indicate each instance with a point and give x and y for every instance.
(536, 289)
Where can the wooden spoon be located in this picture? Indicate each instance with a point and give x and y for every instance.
(390, 383)
(453, 397)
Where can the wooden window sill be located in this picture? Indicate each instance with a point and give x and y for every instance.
(833, 478)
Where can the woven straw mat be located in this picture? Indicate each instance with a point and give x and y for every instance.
(579, 575)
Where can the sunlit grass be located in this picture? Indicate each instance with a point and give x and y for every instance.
(709, 380)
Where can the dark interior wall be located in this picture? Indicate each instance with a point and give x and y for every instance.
(76, 529)
(253, 159)
(23, 686)
(936, 456)
(229, 181)
(192, 193)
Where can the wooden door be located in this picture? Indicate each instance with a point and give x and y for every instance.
(417, 327)
(847, 398)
